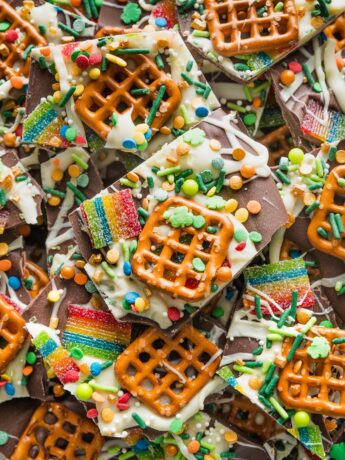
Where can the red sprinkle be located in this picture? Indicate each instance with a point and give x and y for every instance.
(3, 383)
(124, 398)
(295, 66)
(191, 283)
(174, 314)
(82, 61)
(240, 246)
(122, 406)
(80, 140)
(95, 58)
(92, 413)
(71, 376)
(11, 36)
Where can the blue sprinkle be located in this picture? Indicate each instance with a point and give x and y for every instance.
(14, 282)
(95, 369)
(148, 133)
(10, 390)
(141, 445)
(127, 268)
(294, 253)
(129, 144)
(131, 297)
(229, 294)
(63, 130)
(161, 22)
(201, 111)
(218, 163)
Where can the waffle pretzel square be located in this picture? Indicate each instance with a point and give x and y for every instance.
(169, 265)
(237, 27)
(166, 373)
(315, 385)
(336, 31)
(331, 211)
(111, 93)
(12, 55)
(55, 431)
(12, 333)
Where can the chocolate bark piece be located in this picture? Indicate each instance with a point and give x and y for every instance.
(21, 195)
(214, 128)
(144, 76)
(312, 103)
(242, 67)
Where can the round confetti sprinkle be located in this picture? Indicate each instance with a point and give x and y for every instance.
(84, 391)
(301, 419)
(161, 22)
(249, 119)
(4, 25)
(174, 314)
(201, 111)
(190, 187)
(3, 438)
(287, 77)
(14, 282)
(255, 237)
(240, 235)
(198, 264)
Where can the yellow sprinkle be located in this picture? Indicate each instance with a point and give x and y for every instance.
(214, 145)
(95, 73)
(53, 295)
(242, 215)
(230, 437)
(112, 256)
(107, 415)
(141, 304)
(142, 128)
(231, 205)
(84, 368)
(57, 96)
(116, 60)
(132, 176)
(3, 249)
(57, 77)
(138, 137)
(212, 191)
(79, 90)
(53, 323)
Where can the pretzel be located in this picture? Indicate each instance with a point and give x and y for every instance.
(310, 384)
(54, 431)
(166, 373)
(277, 143)
(40, 277)
(12, 333)
(179, 279)
(248, 417)
(336, 31)
(331, 204)
(236, 28)
(111, 94)
(11, 54)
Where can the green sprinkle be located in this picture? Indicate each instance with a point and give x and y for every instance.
(279, 7)
(189, 66)
(69, 30)
(247, 93)
(198, 264)
(211, 229)
(271, 385)
(159, 61)
(338, 340)
(104, 64)
(296, 343)
(283, 318)
(258, 307)
(265, 401)
(167, 171)
(184, 114)
(238, 108)
(108, 270)
(128, 183)
(125, 250)
(255, 237)
(187, 78)
(176, 426)
(254, 364)
(54, 192)
(42, 63)
(319, 168)
(281, 411)
(131, 51)
(67, 96)
(80, 162)
(284, 331)
(98, 387)
(332, 152)
(150, 181)
(136, 417)
(308, 325)
(142, 212)
(293, 308)
(201, 33)
(21, 178)
(152, 114)
(312, 207)
(27, 52)
(243, 369)
(257, 351)
(220, 180)
(339, 223)
(274, 338)
(241, 67)
(335, 230)
(283, 177)
(322, 232)
(139, 92)
(270, 372)
(76, 192)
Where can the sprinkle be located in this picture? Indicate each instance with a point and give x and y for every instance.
(136, 417)
(308, 325)
(243, 369)
(152, 114)
(338, 340)
(98, 387)
(312, 207)
(67, 96)
(116, 60)
(27, 52)
(257, 351)
(283, 177)
(322, 232)
(69, 30)
(258, 307)
(283, 318)
(335, 230)
(281, 411)
(293, 307)
(296, 343)
(76, 191)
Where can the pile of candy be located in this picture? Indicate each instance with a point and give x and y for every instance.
(172, 229)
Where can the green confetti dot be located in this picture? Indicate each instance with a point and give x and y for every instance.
(249, 119)
(176, 426)
(76, 353)
(255, 237)
(31, 358)
(218, 312)
(198, 264)
(326, 323)
(83, 180)
(337, 451)
(194, 137)
(131, 13)
(319, 348)
(3, 438)
(198, 221)
(240, 235)
(90, 287)
(218, 163)
(4, 25)
(71, 134)
(79, 25)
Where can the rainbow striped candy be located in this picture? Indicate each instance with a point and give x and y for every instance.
(274, 283)
(110, 217)
(332, 131)
(96, 333)
(56, 357)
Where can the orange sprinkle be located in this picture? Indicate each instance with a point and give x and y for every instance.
(10, 139)
(5, 265)
(56, 162)
(45, 51)
(253, 206)
(24, 230)
(27, 370)
(57, 174)
(238, 154)
(74, 170)
(287, 77)
(80, 278)
(54, 201)
(193, 446)
(340, 62)
(256, 102)
(171, 450)
(224, 274)
(247, 171)
(67, 272)
(76, 2)
(17, 82)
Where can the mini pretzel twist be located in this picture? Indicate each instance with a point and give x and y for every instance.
(111, 93)
(40, 277)
(336, 31)
(162, 271)
(55, 431)
(12, 333)
(166, 373)
(331, 205)
(236, 27)
(11, 54)
(315, 385)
